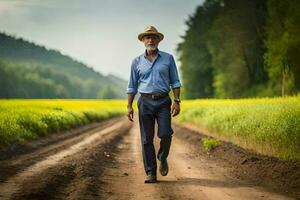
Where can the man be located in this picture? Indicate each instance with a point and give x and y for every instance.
(152, 75)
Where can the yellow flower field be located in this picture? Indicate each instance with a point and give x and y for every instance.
(267, 125)
(24, 119)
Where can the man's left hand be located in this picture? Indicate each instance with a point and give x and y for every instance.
(175, 110)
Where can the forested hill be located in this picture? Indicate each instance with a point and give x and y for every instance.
(242, 48)
(28, 70)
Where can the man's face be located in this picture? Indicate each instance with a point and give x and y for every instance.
(151, 42)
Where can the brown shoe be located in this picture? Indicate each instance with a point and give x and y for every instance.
(150, 179)
(164, 168)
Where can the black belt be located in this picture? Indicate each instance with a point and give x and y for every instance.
(154, 96)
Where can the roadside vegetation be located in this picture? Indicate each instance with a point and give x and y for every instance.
(210, 143)
(21, 120)
(269, 126)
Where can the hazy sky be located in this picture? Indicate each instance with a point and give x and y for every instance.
(100, 33)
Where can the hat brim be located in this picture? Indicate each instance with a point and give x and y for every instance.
(160, 35)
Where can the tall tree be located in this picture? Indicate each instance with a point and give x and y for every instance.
(237, 48)
(196, 66)
(222, 54)
(283, 44)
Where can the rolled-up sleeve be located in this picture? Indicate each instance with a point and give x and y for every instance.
(174, 78)
(133, 80)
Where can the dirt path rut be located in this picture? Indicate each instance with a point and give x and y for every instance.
(65, 170)
(189, 178)
(105, 162)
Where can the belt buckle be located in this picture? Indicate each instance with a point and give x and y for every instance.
(153, 96)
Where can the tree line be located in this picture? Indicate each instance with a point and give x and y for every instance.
(28, 70)
(241, 48)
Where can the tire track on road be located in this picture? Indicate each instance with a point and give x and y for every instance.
(36, 151)
(45, 173)
(190, 176)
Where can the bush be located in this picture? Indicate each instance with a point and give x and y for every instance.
(210, 144)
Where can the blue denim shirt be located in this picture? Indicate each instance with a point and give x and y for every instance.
(153, 77)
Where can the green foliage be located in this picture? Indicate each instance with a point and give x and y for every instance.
(32, 123)
(239, 48)
(31, 71)
(108, 92)
(27, 119)
(210, 143)
(268, 125)
(283, 44)
(197, 71)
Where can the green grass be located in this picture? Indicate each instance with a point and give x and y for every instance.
(269, 126)
(21, 120)
(210, 143)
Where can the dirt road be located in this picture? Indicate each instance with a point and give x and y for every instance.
(105, 163)
(190, 177)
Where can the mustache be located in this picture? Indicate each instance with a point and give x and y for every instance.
(151, 47)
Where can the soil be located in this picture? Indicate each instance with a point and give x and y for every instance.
(272, 173)
(104, 161)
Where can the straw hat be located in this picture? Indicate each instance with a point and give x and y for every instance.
(150, 30)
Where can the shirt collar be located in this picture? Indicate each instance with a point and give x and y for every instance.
(158, 52)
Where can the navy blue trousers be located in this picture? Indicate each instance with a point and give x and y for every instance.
(150, 111)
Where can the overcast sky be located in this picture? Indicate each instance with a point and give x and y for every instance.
(100, 33)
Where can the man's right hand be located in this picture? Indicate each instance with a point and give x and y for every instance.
(130, 113)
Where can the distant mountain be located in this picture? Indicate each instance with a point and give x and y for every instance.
(28, 70)
(117, 80)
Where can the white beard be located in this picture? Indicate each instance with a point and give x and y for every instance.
(151, 48)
